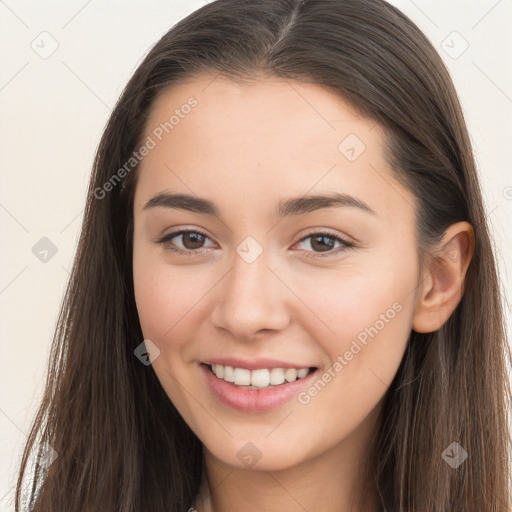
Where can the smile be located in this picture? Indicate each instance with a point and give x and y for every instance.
(257, 390)
(259, 378)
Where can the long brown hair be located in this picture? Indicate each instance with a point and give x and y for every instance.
(121, 445)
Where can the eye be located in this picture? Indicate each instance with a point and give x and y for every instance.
(324, 242)
(191, 241)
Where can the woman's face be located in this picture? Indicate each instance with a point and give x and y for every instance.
(269, 283)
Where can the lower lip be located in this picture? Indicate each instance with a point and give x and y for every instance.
(254, 400)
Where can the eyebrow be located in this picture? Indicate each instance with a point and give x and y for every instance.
(292, 206)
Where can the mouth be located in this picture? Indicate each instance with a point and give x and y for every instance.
(258, 390)
(260, 378)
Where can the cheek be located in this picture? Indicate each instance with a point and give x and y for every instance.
(168, 300)
(362, 320)
(156, 303)
(153, 293)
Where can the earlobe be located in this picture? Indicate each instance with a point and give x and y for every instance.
(443, 285)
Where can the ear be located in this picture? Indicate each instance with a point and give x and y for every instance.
(442, 285)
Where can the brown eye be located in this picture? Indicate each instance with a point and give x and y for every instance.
(323, 244)
(191, 241)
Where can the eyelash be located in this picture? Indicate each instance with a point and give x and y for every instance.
(165, 241)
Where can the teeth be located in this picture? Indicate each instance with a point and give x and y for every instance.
(229, 374)
(290, 374)
(302, 373)
(242, 377)
(219, 371)
(276, 376)
(260, 378)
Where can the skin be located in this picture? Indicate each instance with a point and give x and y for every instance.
(245, 147)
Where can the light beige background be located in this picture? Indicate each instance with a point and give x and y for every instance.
(53, 109)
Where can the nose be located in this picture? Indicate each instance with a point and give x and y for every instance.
(251, 300)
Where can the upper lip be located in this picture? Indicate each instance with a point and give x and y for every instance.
(255, 364)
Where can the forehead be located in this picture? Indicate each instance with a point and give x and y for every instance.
(264, 105)
(264, 138)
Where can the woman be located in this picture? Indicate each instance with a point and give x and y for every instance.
(284, 295)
